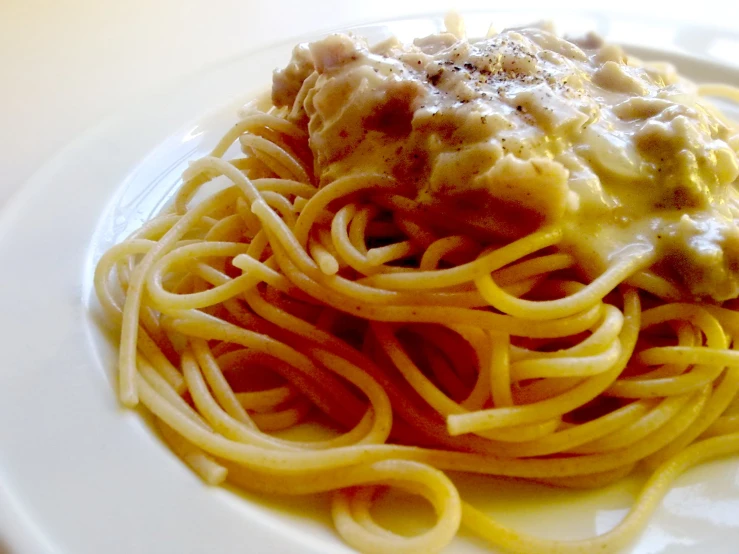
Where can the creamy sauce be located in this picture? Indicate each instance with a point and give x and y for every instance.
(524, 129)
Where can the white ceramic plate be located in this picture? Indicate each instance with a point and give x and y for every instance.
(80, 475)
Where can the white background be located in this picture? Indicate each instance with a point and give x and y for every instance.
(65, 64)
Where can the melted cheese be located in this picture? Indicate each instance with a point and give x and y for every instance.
(525, 129)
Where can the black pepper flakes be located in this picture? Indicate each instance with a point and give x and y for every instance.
(434, 79)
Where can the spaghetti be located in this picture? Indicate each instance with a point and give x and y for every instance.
(286, 297)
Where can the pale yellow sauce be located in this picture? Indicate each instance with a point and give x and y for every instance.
(524, 129)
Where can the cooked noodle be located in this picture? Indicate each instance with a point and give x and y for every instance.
(274, 301)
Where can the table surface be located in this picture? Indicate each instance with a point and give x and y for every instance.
(66, 64)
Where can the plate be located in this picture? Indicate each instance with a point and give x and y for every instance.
(79, 474)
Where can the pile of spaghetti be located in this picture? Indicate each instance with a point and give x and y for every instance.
(272, 302)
